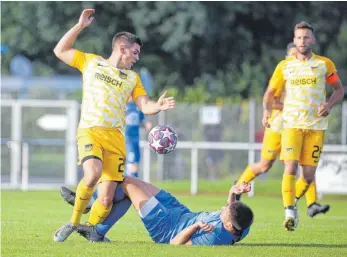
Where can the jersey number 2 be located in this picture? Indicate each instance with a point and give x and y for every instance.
(316, 153)
(121, 165)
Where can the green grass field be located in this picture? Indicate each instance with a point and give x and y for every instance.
(29, 220)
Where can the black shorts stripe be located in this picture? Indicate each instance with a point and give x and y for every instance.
(90, 157)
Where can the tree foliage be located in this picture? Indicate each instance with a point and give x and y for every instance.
(226, 49)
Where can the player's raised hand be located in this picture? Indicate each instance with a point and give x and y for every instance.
(265, 119)
(241, 188)
(86, 18)
(164, 103)
(324, 110)
(205, 226)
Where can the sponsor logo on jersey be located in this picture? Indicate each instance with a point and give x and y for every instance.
(304, 81)
(108, 79)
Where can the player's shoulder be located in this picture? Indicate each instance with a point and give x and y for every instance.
(89, 55)
(324, 59)
(133, 73)
(132, 76)
(285, 62)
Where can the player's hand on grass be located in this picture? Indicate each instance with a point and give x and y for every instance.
(241, 188)
(164, 103)
(86, 18)
(205, 226)
(324, 110)
(266, 117)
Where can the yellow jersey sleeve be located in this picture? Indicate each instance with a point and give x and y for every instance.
(277, 80)
(331, 69)
(81, 59)
(138, 90)
(279, 91)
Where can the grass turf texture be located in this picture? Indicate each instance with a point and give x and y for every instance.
(29, 220)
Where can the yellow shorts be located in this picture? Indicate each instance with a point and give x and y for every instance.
(105, 144)
(271, 144)
(303, 145)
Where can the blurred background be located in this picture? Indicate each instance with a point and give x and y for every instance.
(215, 58)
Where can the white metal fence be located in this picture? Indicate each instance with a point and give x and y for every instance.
(37, 158)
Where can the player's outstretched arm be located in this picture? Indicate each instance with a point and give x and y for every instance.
(63, 50)
(149, 107)
(184, 237)
(237, 190)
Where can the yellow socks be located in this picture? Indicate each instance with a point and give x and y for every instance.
(83, 195)
(288, 190)
(247, 175)
(301, 187)
(311, 194)
(98, 213)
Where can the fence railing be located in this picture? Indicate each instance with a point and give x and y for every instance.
(36, 158)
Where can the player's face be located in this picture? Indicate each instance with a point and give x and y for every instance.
(131, 55)
(304, 39)
(291, 52)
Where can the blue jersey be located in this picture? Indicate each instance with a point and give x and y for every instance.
(134, 118)
(219, 235)
(169, 217)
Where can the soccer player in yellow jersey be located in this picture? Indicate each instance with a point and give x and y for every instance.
(271, 148)
(305, 112)
(107, 85)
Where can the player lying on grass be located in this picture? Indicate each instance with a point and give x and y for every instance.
(170, 222)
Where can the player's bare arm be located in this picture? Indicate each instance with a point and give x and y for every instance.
(237, 190)
(267, 105)
(184, 237)
(335, 98)
(150, 107)
(277, 104)
(63, 49)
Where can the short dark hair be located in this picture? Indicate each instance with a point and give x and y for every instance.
(304, 25)
(241, 216)
(126, 36)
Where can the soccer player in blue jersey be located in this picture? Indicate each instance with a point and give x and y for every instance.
(170, 222)
(134, 119)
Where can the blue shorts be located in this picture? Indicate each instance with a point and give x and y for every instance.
(160, 215)
(133, 150)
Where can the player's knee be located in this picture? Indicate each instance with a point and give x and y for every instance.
(308, 178)
(291, 167)
(106, 200)
(132, 180)
(265, 166)
(92, 173)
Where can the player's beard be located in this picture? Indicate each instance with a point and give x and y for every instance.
(305, 51)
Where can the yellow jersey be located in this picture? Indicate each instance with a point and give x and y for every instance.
(304, 83)
(106, 90)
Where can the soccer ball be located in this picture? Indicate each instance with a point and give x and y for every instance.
(162, 139)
